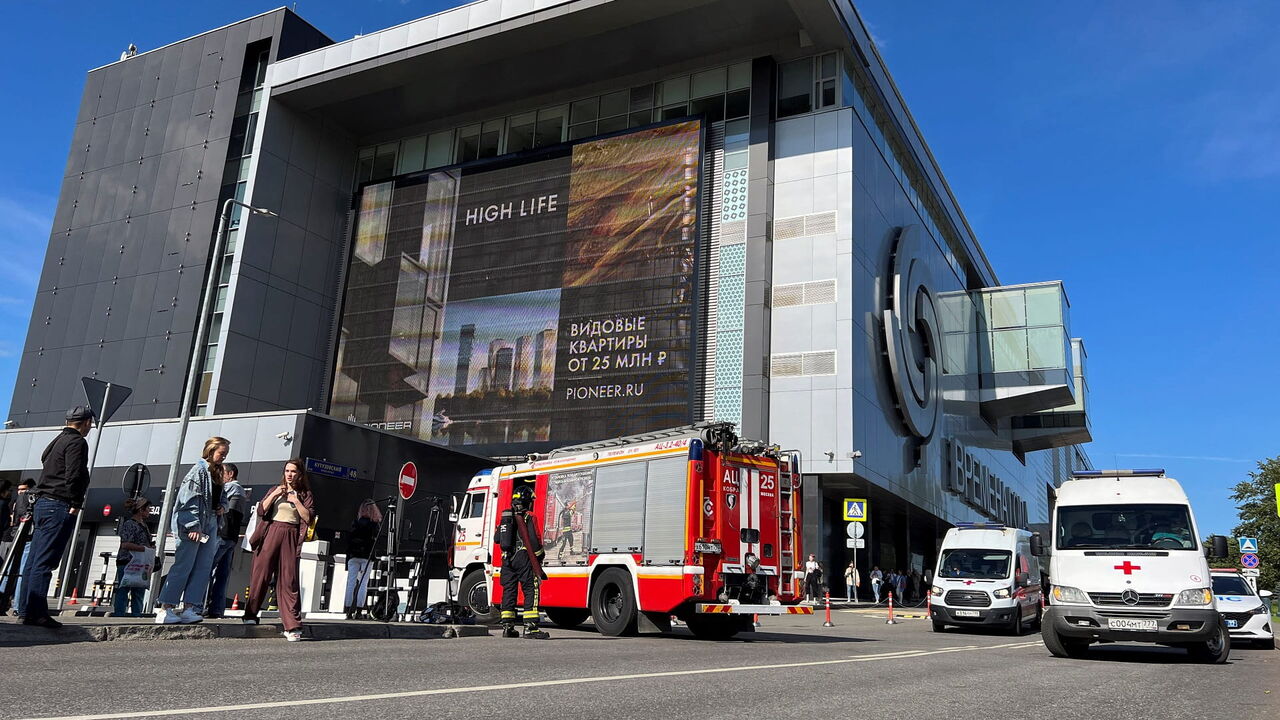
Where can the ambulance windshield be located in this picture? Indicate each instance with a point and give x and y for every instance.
(976, 563)
(1125, 527)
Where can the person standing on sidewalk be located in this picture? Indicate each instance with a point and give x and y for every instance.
(359, 547)
(57, 497)
(877, 579)
(283, 517)
(134, 537)
(18, 538)
(232, 504)
(195, 524)
(852, 581)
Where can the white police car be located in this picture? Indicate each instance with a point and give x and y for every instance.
(1246, 613)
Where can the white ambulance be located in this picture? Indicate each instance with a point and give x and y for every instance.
(986, 576)
(1128, 565)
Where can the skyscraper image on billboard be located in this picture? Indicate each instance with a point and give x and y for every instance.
(528, 300)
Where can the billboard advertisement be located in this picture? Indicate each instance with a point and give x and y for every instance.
(529, 301)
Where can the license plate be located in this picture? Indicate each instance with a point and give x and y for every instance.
(967, 613)
(1131, 624)
(1233, 624)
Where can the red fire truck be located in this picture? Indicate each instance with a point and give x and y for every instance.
(690, 522)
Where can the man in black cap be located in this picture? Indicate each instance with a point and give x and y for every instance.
(58, 496)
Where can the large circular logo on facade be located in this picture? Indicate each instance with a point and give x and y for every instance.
(912, 337)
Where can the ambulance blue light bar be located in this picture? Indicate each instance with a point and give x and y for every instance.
(981, 526)
(1117, 473)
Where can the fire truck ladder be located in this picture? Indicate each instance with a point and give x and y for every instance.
(786, 521)
(697, 429)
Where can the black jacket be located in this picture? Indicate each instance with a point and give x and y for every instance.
(360, 541)
(65, 475)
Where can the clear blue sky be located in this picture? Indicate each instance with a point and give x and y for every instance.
(1130, 149)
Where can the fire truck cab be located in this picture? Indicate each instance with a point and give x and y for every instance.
(690, 522)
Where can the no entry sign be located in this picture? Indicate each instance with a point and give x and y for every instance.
(408, 480)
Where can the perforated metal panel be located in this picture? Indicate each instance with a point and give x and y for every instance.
(664, 529)
(617, 518)
(822, 362)
(817, 292)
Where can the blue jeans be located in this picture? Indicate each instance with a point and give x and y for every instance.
(18, 595)
(189, 576)
(127, 600)
(53, 526)
(222, 557)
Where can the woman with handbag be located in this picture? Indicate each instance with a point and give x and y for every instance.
(195, 523)
(135, 540)
(284, 516)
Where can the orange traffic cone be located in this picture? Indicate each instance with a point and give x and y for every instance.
(235, 602)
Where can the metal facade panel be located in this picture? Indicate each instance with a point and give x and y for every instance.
(666, 514)
(617, 518)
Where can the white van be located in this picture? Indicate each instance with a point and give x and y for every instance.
(1128, 566)
(986, 576)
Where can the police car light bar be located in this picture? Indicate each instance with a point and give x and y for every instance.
(1117, 473)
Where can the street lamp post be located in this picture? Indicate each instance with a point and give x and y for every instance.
(193, 375)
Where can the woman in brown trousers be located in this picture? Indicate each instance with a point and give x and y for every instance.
(283, 517)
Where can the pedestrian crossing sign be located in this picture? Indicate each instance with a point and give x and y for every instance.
(1248, 544)
(855, 509)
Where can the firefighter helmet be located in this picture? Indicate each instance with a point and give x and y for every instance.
(522, 497)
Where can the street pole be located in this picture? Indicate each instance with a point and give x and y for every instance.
(192, 381)
(68, 557)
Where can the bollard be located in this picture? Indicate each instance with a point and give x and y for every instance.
(928, 605)
(891, 621)
(828, 623)
(756, 620)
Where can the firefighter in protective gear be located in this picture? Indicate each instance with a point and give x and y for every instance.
(565, 538)
(521, 563)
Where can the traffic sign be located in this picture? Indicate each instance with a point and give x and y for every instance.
(137, 479)
(1249, 560)
(855, 543)
(1251, 572)
(855, 529)
(856, 509)
(1248, 544)
(408, 480)
(106, 511)
(104, 398)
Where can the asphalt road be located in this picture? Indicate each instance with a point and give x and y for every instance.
(791, 667)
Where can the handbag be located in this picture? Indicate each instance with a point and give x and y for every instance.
(311, 529)
(137, 572)
(257, 531)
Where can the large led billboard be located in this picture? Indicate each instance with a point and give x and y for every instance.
(528, 301)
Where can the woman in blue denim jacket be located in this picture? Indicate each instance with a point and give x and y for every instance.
(195, 525)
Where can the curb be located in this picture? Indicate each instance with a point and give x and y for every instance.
(16, 634)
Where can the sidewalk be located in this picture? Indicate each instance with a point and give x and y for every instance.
(103, 629)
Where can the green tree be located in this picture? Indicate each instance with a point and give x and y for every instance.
(1256, 499)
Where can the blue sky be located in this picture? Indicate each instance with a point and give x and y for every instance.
(1130, 149)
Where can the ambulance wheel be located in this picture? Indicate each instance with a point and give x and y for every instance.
(714, 627)
(566, 617)
(474, 595)
(1017, 627)
(1059, 646)
(1215, 650)
(939, 627)
(613, 603)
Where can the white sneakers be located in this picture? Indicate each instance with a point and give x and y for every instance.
(292, 635)
(187, 617)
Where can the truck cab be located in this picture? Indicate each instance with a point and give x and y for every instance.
(1128, 566)
(987, 576)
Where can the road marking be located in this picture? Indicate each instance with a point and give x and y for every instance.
(896, 655)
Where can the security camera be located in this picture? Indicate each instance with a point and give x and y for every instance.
(285, 436)
(855, 454)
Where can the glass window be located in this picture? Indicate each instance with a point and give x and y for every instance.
(210, 357)
(643, 117)
(975, 563)
(468, 145)
(740, 76)
(1124, 526)
(828, 66)
(613, 124)
(674, 111)
(520, 131)
(582, 130)
(364, 170)
(708, 82)
(584, 111)
(795, 87)
(641, 97)
(1044, 306)
(384, 163)
(491, 138)
(1231, 585)
(617, 103)
(737, 104)
(439, 149)
(737, 135)
(675, 90)
(475, 509)
(711, 108)
(412, 154)
(826, 94)
(550, 128)
(1009, 350)
(1006, 309)
(1046, 348)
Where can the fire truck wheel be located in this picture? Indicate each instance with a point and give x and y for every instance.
(566, 617)
(474, 594)
(613, 603)
(712, 627)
